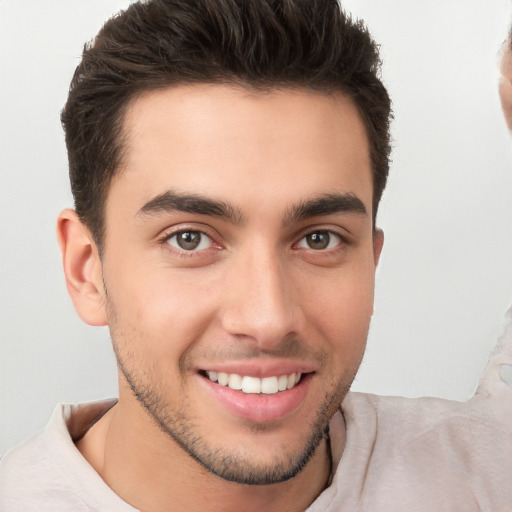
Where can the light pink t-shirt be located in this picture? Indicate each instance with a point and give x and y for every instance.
(401, 454)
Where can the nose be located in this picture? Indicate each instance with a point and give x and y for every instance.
(262, 302)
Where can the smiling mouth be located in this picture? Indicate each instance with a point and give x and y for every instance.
(254, 385)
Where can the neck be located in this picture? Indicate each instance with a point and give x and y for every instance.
(150, 471)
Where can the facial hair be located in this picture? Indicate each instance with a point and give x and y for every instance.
(229, 464)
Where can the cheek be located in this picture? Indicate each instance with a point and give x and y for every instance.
(341, 307)
(159, 312)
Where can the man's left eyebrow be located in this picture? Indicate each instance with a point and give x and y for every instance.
(328, 204)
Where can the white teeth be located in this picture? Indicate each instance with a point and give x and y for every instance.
(223, 378)
(251, 385)
(255, 385)
(282, 383)
(269, 385)
(235, 381)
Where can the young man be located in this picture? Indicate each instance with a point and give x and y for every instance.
(227, 159)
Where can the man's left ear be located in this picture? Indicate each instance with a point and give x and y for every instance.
(378, 242)
(82, 268)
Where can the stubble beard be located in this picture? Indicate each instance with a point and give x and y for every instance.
(222, 462)
(227, 464)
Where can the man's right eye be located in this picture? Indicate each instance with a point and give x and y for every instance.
(190, 241)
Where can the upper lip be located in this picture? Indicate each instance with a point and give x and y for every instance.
(259, 368)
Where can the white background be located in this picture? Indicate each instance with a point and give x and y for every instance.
(446, 273)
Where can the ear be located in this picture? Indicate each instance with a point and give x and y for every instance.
(378, 242)
(82, 268)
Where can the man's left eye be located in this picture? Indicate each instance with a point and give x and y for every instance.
(190, 241)
(319, 240)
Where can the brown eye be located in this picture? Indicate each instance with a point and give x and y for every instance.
(190, 241)
(320, 240)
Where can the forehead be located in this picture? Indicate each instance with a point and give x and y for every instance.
(223, 141)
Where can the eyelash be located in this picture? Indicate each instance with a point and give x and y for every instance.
(341, 241)
(183, 253)
(164, 240)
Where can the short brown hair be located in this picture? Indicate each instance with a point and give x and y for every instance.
(260, 44)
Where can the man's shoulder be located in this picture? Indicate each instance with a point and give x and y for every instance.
(403, 421)
(47, 471)
(490, 407)
(31, 474)
(429, 453)
(22, 460)
(477, 429)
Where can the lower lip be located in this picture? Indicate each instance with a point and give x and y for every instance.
(260, 408)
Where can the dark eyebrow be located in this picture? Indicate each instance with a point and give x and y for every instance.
(171, 201)
(326, 205)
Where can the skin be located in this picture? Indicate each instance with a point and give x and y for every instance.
(506, 82)
(259, 295)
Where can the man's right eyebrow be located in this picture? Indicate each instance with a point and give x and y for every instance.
(172, 201)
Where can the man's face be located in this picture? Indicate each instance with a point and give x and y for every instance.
(239, 248)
